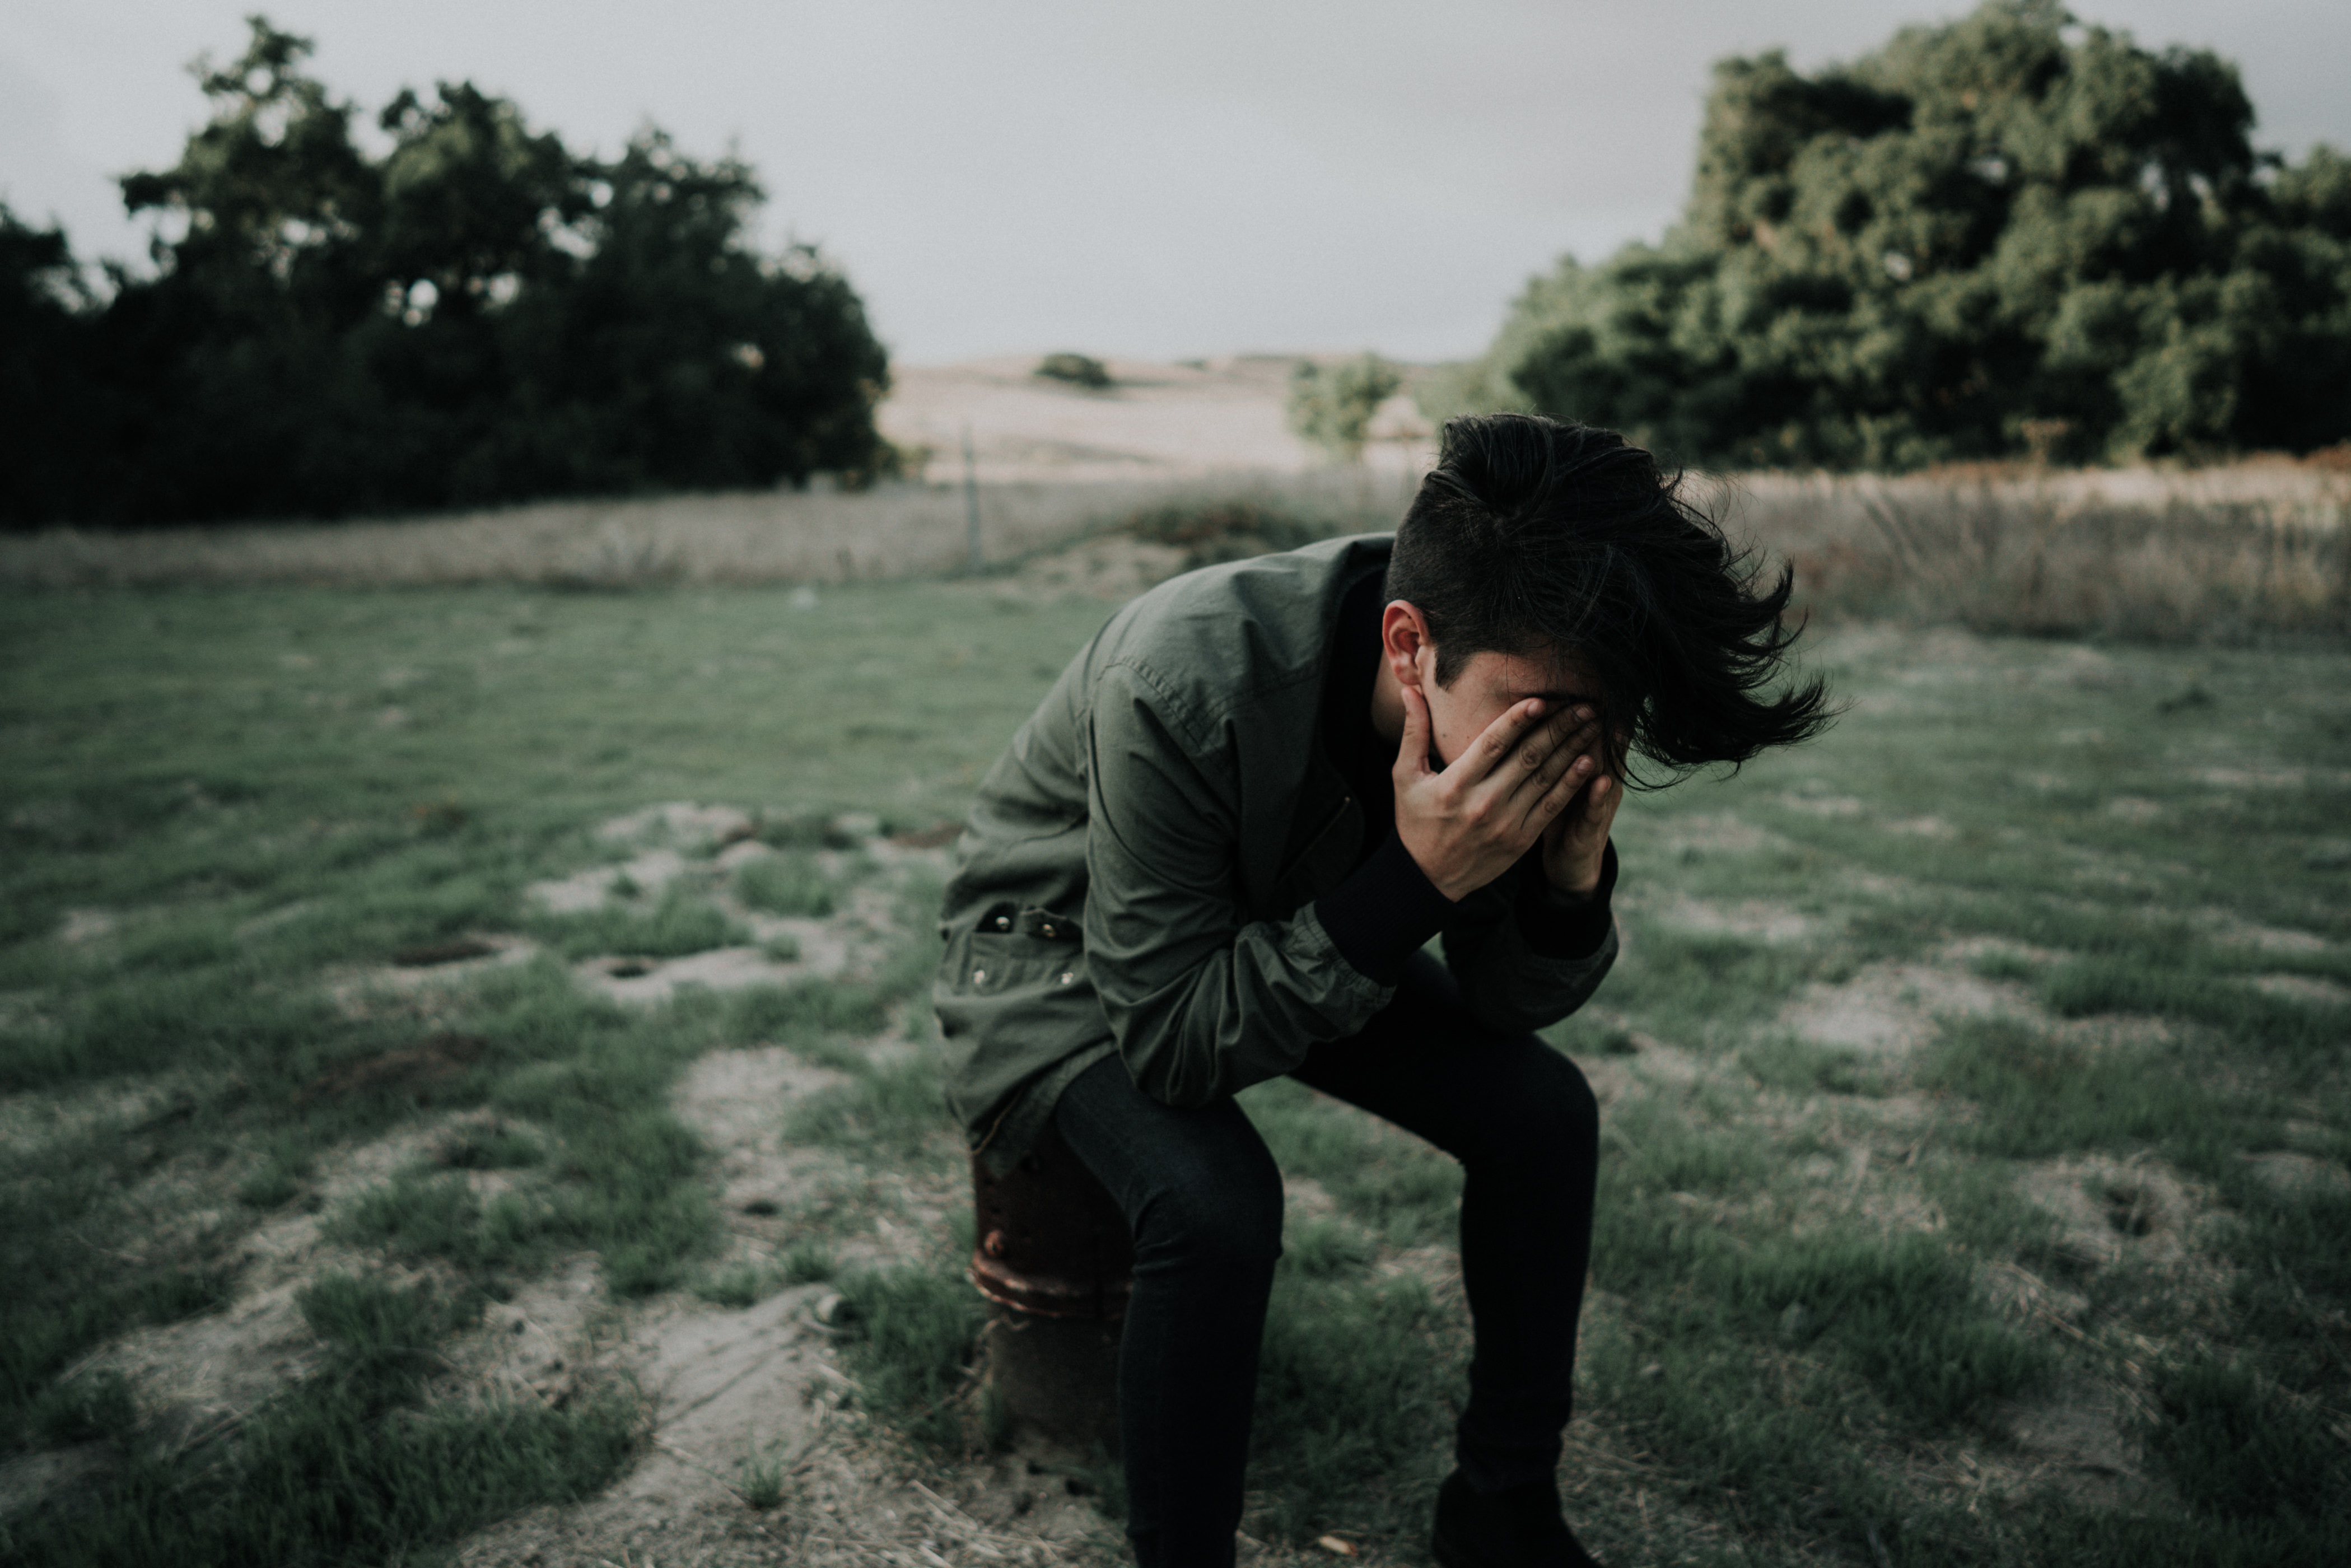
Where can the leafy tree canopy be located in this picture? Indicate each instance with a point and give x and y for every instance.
(2009, 235)
(474, 315)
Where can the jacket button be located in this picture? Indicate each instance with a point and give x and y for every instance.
(978, 976)
(1048, 928)
(1004, 922)
(1068, 976)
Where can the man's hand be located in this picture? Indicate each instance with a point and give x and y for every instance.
(1576, 842)
(1469, 823)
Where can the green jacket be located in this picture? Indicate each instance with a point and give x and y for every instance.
(1139, 871)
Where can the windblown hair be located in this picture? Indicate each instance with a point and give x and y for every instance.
(1531, 535)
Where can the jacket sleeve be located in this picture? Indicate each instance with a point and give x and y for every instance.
(1510, 984)
(1201, 1002)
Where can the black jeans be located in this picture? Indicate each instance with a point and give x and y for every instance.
(1205, 1201)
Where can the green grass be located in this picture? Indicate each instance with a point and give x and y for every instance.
(914, 1330)
(352, 1462)
(2040, 1095)
(786, 883)
(887, 1114)
(677, 925)
(1356, 1384)
(1793, 1331)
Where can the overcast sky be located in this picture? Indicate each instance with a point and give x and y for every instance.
(1020, 175)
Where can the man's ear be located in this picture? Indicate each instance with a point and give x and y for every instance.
(1403, 641)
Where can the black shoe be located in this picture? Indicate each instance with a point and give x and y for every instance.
(1520, 1527)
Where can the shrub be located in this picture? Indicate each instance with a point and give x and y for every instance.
(1214, 531)
(1077, 370)
(1334, 407)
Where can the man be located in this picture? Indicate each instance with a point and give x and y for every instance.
(1214, 852)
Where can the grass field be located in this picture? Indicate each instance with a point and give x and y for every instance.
(1976, 1120)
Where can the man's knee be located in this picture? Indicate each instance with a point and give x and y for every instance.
(1547, 1114)
(1214, 1217)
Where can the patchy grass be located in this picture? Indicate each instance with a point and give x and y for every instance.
(265, 796)
(677, 925)
(914, 1330)
(354, 1461)
(786, 883)
(1886, 1009)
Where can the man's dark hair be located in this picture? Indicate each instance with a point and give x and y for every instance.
(1530, 534)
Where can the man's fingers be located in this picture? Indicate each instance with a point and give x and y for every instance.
(1514, 753)
(1501, 738)
(1412, 752)
(1575, 746)
(1551, 753)
(1556, 797)
(1604, 804)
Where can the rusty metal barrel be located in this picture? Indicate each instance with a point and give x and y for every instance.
(1056, 1263)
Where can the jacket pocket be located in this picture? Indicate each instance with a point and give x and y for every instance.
(1014, 949)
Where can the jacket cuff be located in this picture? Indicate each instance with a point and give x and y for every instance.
(1556, 925)
(1383, 913)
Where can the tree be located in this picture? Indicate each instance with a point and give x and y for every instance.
(55, 415)
(478, 315)
(2003, 235)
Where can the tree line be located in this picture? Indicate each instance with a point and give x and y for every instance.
(475, 315)
(2012, 235)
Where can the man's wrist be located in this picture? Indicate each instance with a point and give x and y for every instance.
(1583, 884)
(1559, 924)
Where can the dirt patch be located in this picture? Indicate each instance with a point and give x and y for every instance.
(356, 991)
(418, 1070)
(1718, 832)
(699, 829)
(2027, 1297)
(38, 1118)
(760, 1390)
(1890, 1010)
(1653, 1062)
(432, 955)
(1764, 920)
(86, 925)
(2295, 1173)
(729, 1389)
(198, 1379)
(2111, 1212)
(2253, 778)
(1835, 807)
(737, 1100)
(2073, 1440)
(1967, 950)
(1304, 1198)
(2270, 938)
(586, 891)
(645, 981)
(2308, 988)
(1028, 1506)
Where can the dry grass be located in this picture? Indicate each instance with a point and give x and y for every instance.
(814, 535)
(2210, 554)
(2199, 556)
